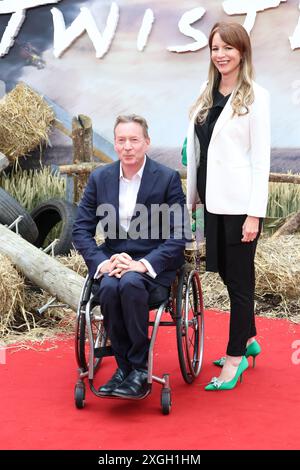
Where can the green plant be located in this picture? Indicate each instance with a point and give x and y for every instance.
(284, 200)
(33, 186)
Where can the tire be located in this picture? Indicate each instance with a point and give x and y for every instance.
(48, 214)
(99, 340)
(10, 210)
(189, 326)
(165, 401)
(194, 323)
(179, 306)
(79, 395)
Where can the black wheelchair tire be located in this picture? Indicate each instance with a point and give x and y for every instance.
(79, 395)
(185, 372)
(165, 400)
(195, 359)
(83, 359)
(189, 366)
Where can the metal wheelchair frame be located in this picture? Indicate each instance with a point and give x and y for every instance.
(185, 306)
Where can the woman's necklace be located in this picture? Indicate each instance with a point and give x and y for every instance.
(225, 91)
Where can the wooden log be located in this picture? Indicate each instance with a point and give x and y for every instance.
(273, 177)
(82, 137)
(86, 168)
(41, 269)
(102, 149)
(284, 178)
(79, 169)
(292, 225)
(4, 162)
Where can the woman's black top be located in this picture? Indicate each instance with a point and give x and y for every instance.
(204, 132)
(219, 230)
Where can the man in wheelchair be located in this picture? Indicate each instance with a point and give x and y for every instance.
(141, 209)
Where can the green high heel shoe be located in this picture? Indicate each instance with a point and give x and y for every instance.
(216, 384)
(252, 350)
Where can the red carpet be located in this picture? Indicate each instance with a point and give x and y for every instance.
(38, 412)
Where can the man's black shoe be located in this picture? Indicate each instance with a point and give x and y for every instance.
(116, 380)
(134, 386)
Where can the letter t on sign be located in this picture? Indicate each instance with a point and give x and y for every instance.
(18, 10)
(250, 8)
(295, 39)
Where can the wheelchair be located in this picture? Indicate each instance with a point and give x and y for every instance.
(182, 302)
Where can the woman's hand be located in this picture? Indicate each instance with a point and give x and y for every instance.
(250, 228)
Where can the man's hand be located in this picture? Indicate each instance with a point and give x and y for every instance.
(250, 229)
(121, 263)
(121, 269)
(118, 261)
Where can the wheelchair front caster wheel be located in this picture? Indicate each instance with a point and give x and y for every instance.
(79, 395)
(166, 401)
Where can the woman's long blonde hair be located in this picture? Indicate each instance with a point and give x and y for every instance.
(236, 36)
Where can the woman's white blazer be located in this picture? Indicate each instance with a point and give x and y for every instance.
(238, 160)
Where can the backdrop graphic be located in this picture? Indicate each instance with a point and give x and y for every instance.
(154, 82)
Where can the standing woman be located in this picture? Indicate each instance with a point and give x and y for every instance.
(228, 164)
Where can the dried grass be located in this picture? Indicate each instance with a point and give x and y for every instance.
(25, 120)
(277, 266)
(18, 309)
(12, 296)
(75, 262)
(277, 292)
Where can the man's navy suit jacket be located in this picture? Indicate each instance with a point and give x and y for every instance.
(159, 185)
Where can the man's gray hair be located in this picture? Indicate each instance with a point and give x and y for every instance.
(133, 118)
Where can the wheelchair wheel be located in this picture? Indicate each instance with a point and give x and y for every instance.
(165, 400)
(99, 338)
(80, 317)
(79, 395)
(189, 325)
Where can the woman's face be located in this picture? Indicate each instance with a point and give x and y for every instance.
(226, 58)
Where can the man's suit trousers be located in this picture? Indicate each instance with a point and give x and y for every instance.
(124, 305)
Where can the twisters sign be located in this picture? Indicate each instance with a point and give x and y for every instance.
(64, 35)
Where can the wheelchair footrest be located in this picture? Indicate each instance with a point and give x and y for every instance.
(103, 352)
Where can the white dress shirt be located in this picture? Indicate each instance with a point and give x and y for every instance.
(128, 191)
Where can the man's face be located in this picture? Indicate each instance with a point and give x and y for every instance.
(131, 145)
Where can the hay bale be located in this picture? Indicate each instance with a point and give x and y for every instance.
(58, 318)
(25, 120)
(18, 309)
(75, 262)
(12, 295)
(214, 292)
(278, 267)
